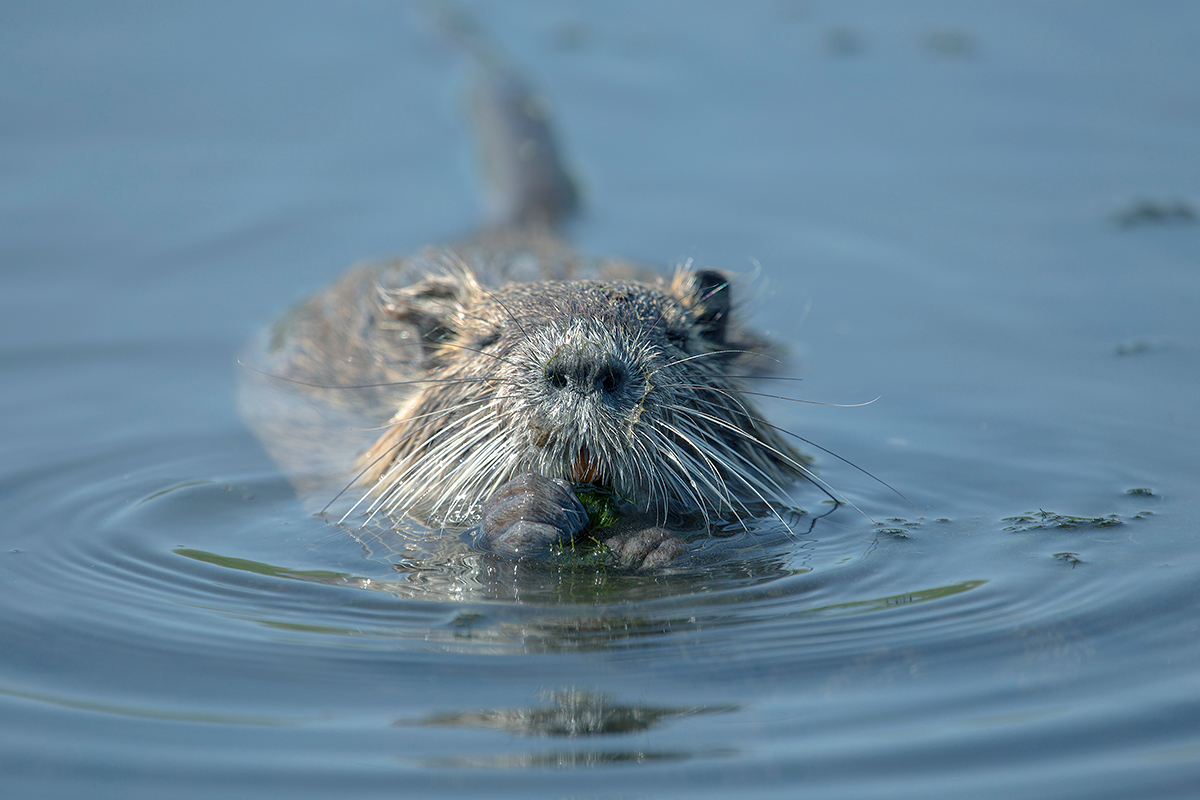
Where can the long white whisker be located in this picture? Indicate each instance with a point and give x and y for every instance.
(807, 472)
(776, 491)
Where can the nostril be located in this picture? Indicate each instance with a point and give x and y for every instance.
(585, 373)
(556, 376)
(610, 378)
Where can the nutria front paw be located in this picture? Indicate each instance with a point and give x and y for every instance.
(529, 514)
(646, 549)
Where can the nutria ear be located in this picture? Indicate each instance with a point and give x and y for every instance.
(710, 302)
(432, 307)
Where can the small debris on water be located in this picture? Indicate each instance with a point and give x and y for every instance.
(844, 41)
(949, 42)
(1146, 211)
(1048, 520)
(1069, 558)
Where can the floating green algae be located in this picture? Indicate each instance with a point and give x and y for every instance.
(1048, 520)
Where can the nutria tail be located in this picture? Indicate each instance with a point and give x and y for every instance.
(526, 181)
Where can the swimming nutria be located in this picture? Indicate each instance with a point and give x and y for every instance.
(516, 371)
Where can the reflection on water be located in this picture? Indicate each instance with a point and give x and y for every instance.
(575, 609)
(568, 712)
(415, 563)
(575, 758)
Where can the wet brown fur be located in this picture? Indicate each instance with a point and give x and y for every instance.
(453, 346)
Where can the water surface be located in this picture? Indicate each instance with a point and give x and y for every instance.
(978, 214)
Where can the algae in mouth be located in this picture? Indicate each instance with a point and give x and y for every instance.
(601, 507)
(586, 550)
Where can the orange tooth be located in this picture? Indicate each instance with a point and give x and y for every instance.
(585, 469)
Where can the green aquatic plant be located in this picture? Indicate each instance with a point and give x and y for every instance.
(898, 529)
(246, 565)
(581, 554)
(1048, 520)
(601, 507)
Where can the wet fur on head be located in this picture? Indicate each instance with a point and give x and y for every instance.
(635, 387)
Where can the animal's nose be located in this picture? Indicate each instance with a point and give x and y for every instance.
(585, 369)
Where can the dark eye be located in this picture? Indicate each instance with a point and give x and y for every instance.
(678, 338)
(438, 334)
(487, 339)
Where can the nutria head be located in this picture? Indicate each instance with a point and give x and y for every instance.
(632, 387)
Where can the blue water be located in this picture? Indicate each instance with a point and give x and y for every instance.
(953, 209)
